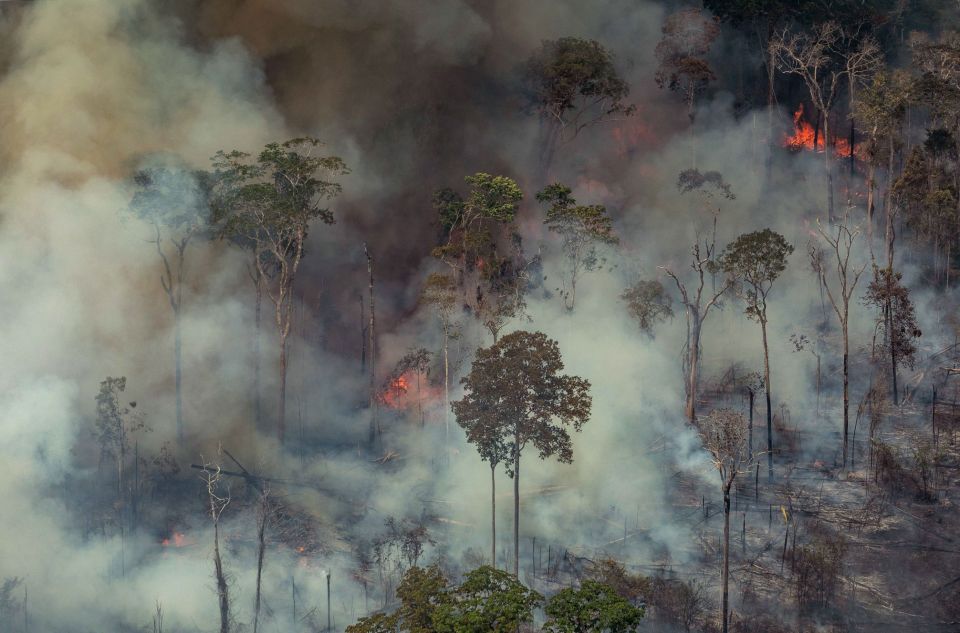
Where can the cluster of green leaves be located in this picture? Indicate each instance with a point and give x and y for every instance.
(572, 77)
(493, 601)
(755, 260)
(897, 316)
(516, 394)
(648, 303)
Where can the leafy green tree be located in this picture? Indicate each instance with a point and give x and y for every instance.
(756, 260)
(593, 608)
(581, 229)
(376, 623)
(174, 201)
(516, 395)
(648, 303)
(421, 592)
(572, 83)
(488, 601)
(271, 201)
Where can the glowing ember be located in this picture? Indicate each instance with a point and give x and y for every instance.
(393, 395)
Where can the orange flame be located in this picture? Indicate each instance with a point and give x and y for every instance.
(177, 539)
(803, 138)
(393, 394)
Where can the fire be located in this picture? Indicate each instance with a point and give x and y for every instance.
(804, 133)
(393, 395)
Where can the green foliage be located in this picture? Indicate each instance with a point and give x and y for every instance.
(515, 395)
(648, 303)
(581, 229)
(115, 422)
(756, 260)
(376, 623)
(897, 316)
(593, 608)
(573, 81)
(421, 592)
(488, 601)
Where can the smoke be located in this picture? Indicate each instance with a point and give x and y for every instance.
(414, 95)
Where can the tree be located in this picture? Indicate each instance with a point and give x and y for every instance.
(845, 275)
(418, 362)
(756, 260)
(488, 601)
(440, 293)
(572, 83)
(114, 426)
(648, 303)
(682, 52)
(593, 608)
(897, 318)
(826, 57)
(173, 200)
(724, 435)
(217, 501)
(581, 229)
(482, 248)
(421, 591)
(515, 390)
(271, 202)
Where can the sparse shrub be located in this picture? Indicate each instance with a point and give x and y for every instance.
(817, 568)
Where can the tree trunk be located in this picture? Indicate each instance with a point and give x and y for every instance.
(493, 516)
(222, 595)
(893, 354)
(693, 355)
(766, 383)
(261, 547)
(750, 427)
(725, 573)
(282, 404)
(257, 319)
(516, 513)
(371, 346)
(846, 388)
(889, 235)
(828, 167)
(446, 394)
(178, 371)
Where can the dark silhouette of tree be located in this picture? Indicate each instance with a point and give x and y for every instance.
(755, 260)
(572, 83)
(515, 396)
(897, 319)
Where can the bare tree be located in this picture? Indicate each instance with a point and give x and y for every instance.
(724, 435)
(839, 277)
(825, 58)
(440, 293)
(263, 514)
(217, 502)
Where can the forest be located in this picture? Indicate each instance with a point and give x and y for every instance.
(294, 292)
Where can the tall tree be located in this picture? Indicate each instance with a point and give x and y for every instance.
(581, 229)
(572, 83)
(174, 201)
(826, 57)
(897, 318)
(840, 279)
(724, 435)
(272, 201)
(515, 389)
(756, 260)
(440, 294)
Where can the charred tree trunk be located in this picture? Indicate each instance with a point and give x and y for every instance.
(516, 512)
(261, 549)
(750, 394)
(725, 573)
(693, 356)
(766, 383)
(371, 346)
(282, 404)
(257, 320)
(493, 516)
(846, 390)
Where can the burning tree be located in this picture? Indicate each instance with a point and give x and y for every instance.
(571, 83)
(581, 229)
(516, 395)
(825, 58)
(724, 435)
(897, 319)
(845, 276)
(755, 260)
(271, 202)
(173, 200)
